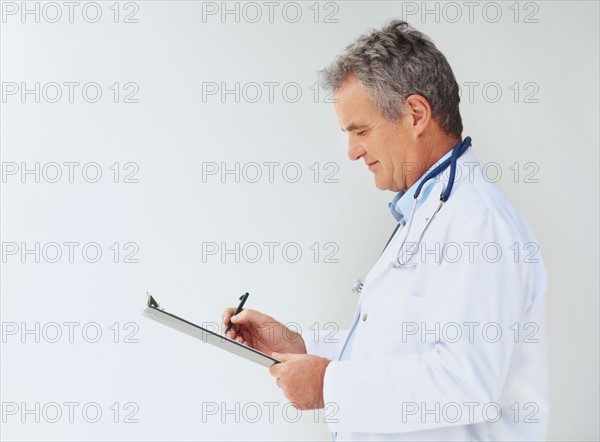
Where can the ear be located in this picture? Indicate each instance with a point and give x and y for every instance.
(418, 109)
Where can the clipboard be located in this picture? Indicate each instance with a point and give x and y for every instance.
(158, 314)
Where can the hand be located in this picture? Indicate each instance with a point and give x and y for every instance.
(262, 332)
(301, 379)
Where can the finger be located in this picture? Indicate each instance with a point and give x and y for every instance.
(281, 356)
(233, 332)
(254, 317)
(275, 370)
(245, 334)
(226, 315)
(244, 317)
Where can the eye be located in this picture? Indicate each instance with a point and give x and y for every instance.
(360, 133)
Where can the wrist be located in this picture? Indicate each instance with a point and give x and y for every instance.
(321, 377)
(299, 345)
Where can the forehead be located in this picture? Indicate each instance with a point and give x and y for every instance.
(352, 103)
(351, 91)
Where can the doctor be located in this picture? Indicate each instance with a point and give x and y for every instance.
(448, 339)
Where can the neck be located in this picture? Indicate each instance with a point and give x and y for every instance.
(430, 149)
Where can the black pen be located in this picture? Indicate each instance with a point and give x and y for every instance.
(239, 309)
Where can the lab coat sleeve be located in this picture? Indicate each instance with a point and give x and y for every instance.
(393, 394)
(326, 343)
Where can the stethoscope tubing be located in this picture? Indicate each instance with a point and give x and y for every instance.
(457, 151)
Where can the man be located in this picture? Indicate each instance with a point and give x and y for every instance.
(448, 339)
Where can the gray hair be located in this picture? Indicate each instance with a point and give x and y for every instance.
(392, 64)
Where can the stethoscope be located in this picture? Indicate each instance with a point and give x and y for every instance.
(457, 151)
(402, 257)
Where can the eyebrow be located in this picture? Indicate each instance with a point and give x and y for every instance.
(353, 126)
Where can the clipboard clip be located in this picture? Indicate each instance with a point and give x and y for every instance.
(152, 302)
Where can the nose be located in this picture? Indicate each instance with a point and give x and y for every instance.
(355, 149)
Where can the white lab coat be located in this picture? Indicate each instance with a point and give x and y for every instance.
(429, 385)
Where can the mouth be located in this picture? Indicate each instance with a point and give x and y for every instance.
(372, 165)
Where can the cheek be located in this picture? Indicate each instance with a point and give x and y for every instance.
(388, 156)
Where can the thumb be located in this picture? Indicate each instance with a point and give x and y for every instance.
(240, 318)
(244, 317)
(283, 357)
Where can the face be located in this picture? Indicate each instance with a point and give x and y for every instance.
(385, 147)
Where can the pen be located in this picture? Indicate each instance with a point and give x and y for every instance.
(239, 309)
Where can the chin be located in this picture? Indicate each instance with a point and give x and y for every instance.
(382, 185)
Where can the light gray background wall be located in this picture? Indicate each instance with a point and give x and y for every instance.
(541, 133)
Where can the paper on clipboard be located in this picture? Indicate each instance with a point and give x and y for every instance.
(153, 311)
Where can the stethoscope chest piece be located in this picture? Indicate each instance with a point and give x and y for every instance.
(358, 286)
